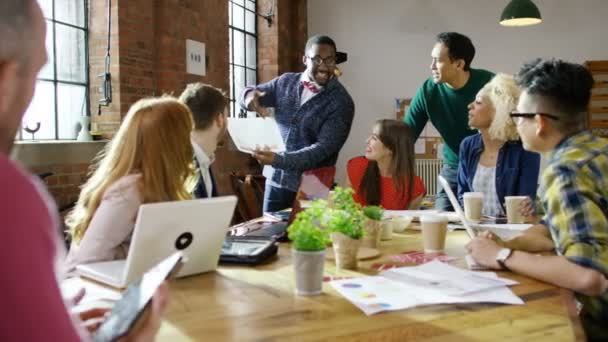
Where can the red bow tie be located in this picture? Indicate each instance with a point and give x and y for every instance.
(311, 86)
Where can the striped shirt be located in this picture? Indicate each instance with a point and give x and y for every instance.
(574, 194)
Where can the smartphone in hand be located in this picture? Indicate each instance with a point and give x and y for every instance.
(136, 299)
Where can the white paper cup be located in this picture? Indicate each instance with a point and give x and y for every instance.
(512, 204)
(434, 229)
(387, 230)
(473, 205)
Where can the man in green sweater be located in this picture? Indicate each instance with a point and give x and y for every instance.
(443, 99)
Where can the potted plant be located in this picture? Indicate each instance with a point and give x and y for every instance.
(308, 242)
(345, 224)
(372, 225)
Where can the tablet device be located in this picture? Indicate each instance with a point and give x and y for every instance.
(136, 299)
(247, 250)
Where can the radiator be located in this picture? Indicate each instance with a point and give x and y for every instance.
(428, 169)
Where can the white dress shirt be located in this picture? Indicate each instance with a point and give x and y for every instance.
(204, 163)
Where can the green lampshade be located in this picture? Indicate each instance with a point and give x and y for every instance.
(520, 13)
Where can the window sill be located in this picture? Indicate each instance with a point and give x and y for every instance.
(37, 153)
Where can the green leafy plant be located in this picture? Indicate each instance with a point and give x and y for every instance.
(346, 216)
(341, 221)
(305, 231)
(373, 212)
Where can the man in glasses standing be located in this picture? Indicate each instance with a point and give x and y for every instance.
(314, 113)
(443, 99)
(551, 117)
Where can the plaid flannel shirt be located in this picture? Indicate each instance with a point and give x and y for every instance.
(574, 194)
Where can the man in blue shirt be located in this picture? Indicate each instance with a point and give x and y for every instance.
(314, 113)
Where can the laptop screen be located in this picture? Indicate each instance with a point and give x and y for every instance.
(448, 190)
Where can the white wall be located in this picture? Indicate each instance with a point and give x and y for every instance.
(389, 44)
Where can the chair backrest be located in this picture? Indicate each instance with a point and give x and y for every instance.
(249, 189)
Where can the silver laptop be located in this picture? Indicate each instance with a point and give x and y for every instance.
(196, 227)
(501, 230)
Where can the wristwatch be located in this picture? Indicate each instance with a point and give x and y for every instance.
(502, 257)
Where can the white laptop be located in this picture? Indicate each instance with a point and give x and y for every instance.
(504, 231)
(196, 227)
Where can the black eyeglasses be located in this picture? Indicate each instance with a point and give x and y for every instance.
(516, 116)
(329, 61)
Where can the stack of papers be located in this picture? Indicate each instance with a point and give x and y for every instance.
(250, 134)
(431, 283)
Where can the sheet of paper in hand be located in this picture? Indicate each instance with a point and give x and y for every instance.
(250, 134)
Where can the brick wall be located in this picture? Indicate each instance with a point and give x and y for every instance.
(148, 52)
(64, 184)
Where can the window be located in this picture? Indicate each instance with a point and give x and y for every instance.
(61, 96)
(243, 50)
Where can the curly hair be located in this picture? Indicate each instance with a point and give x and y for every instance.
(502, 93)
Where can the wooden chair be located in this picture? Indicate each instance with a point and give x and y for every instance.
(249, 189)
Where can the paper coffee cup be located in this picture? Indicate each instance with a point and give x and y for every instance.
(434, 229)
(473, 205)
(387, 230)
(512, 204)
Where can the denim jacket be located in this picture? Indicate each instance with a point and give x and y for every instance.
(516, 169)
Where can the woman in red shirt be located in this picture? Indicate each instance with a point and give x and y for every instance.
(385, 175)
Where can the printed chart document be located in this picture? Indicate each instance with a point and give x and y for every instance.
(249, 134)
(431, 283)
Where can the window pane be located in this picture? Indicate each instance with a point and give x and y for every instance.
(240, 2)
(238, 17)
(251, 51)
(70, 11)
(70, 107)
(48, 71)
(70, 54)
(47, 8)
(249, 21)
(239, 48)
(251, 77)
(42, 109)
(239, 80)
(250, 5)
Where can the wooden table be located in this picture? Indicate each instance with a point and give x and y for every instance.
(258, 304)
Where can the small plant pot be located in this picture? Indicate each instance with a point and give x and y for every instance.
(345, 250)
(373, 231)
(308, 270)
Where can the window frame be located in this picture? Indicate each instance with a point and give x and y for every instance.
(55, 81)
(235, 110)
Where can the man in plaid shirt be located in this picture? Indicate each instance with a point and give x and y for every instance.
(550, 117)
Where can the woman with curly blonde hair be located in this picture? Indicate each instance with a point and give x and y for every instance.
(149, 160)
(494, 161)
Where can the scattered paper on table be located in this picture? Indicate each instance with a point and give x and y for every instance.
(431, 283)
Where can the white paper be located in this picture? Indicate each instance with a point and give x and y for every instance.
(250, 134)
(420, 146)
(378, 293)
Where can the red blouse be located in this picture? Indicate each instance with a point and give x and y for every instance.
(391, 199)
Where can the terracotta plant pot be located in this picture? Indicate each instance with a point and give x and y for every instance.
(373, 231)
(345, 250)
(308, 270)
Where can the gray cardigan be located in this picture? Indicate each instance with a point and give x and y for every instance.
(313, 133)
